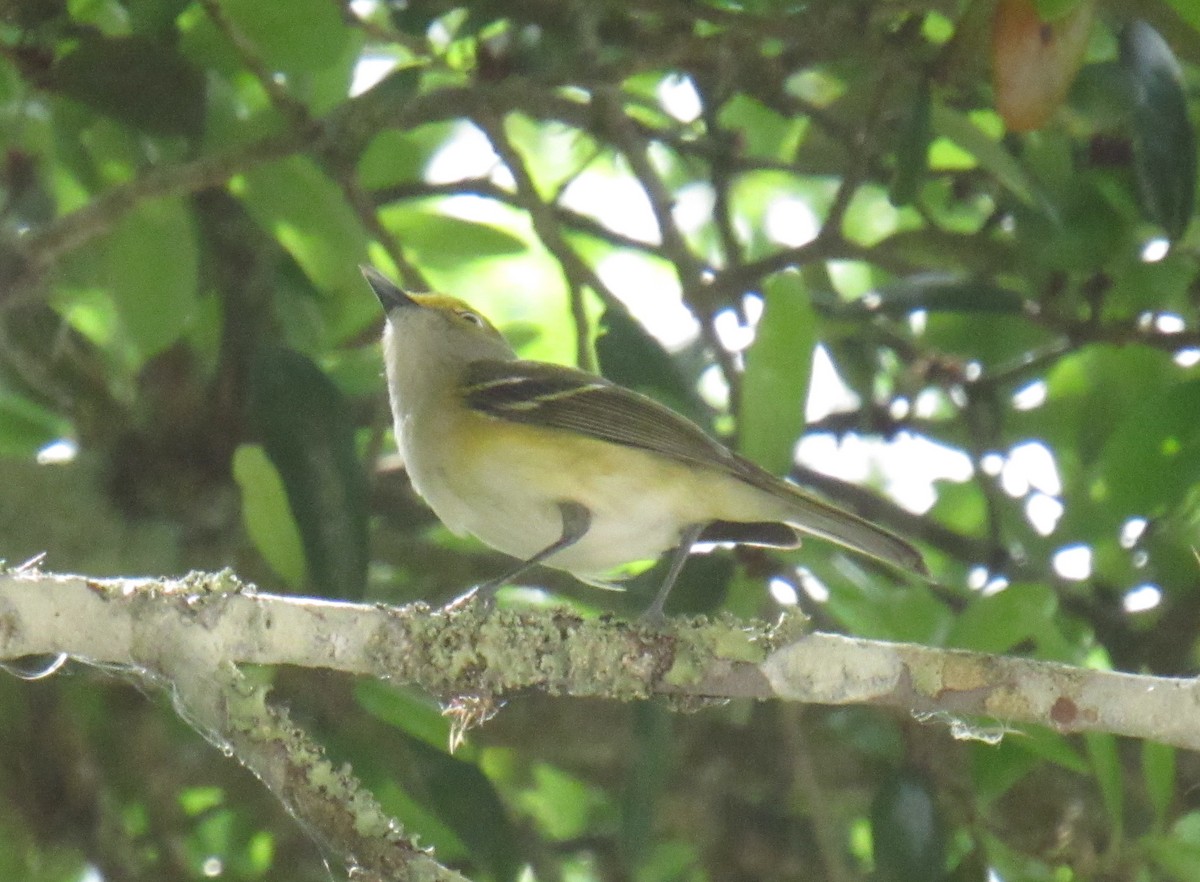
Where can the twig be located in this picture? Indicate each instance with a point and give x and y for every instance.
(688, 268)
(292, 109)
(722, 178)
(48, 244)
(489, 189)
(330, 803)
(364, 206)
(576, 272)
(633, 147)
(343, 132)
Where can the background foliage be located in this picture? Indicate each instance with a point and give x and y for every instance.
(980, 219)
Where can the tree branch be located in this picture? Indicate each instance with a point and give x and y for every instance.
(144, 624)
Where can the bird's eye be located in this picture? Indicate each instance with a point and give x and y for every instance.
(468, 316)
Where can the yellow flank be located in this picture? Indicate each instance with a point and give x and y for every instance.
(637, 500)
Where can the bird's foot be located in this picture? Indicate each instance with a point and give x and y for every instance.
(482, 597)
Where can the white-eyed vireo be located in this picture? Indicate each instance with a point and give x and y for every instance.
(560, 467)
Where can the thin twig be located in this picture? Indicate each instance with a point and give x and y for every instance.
(576, 271)
(489, 189)
(292, 109)
(364, 206)
(634, 148)
(688, 268)
(48, 244)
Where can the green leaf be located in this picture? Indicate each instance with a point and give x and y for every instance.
(996, 768)
(440, 240)
(761, 131)
(989, 153)
(26, 427)
(305, 210)
(1158, 286)
(1078, 228)
(646, 778)
(704, 587)
(561, 804)
(150, 266)
(1100, 94)
(912, 615)
(962, 504)
(991, 340)
(308, 433)
(912, 147)
(137, 80)
(1178, 854)
(1000, 621)
(1187, 10)
(778, 365)
(1153, 457)
(1106, 767)
(1158, 771)
(631, 357)
(1094, 392)
(299, 205)
(1050, 10)
(1051, 746)
(265, 512)
(325, 90)
(908, 835)
(396, 157)
(465, 799)
(154, 17)
(417, 715)
(300, 35)
(1164, 141)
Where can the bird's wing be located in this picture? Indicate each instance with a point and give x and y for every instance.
(557, 397)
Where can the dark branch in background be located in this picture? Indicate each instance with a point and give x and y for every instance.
(566, 217)
(634, 147)
(44, 247)
(339, 166)
(576, 271)
(344, 132)
(292, 109)
(368, 214)
(722, 180)
(1032, 364)
(414, 43)
(633, 144)
(342, 135)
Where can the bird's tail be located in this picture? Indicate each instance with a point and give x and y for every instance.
(814, 516)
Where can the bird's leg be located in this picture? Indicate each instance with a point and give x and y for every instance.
(654, 612)
(576, 520)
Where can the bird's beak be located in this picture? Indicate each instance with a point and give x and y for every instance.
(390, 296)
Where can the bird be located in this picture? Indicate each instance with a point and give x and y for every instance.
(559, 467)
